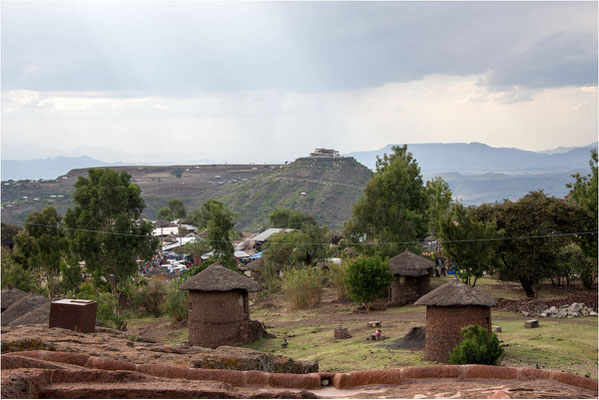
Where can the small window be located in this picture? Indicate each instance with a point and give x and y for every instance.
(487, 319)
(190, 305)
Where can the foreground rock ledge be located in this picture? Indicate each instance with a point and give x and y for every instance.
(55, 374)
(122, 346)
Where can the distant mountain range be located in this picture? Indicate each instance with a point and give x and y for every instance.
(48, 168)
(479, 158)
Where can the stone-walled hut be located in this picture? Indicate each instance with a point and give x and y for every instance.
(411, 277)
(449, 308)
(218, 308)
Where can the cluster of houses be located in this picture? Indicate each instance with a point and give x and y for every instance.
(171, 259)
(449, 308)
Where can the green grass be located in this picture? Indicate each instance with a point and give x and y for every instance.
(568, 345)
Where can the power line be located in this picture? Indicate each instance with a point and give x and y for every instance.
(413, 242)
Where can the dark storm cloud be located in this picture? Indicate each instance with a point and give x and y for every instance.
(178, 48)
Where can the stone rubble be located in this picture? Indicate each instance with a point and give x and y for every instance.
(575, 310)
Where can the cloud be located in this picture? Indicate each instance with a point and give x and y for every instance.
(184, 48)
(279, 125)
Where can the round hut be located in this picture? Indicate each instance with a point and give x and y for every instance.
(411, 274)
(218, 308)
(449, 308)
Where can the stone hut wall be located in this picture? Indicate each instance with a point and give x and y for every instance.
(216, 318)
(443, 325)
(408, 289)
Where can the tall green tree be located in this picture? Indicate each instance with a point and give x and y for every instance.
(177, 208)
(202, 215)
(470, 243)
(219, 228)
(165, 213)
(366, 278)
(439, 203)
(394, 204)
(105, 226)
(584, 192)
(534, 228)
(43, 244)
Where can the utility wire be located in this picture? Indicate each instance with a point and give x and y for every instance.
(551, 235)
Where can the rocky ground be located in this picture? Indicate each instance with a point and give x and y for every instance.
(53, 374)
(120, 345)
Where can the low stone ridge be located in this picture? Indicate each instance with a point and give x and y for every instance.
(46, 374)
(119, 345)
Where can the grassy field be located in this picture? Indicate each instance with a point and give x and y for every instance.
(568, 345)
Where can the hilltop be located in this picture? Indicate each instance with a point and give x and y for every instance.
(330, 187)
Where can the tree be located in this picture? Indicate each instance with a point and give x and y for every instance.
(165, 213)
(366, 278)
(177, 208)
(203, 215)
(43, 244)
(470, 243)
(219, 228)
(534, 228)
(15, 275)
(105, 228)
(584, 192)
(393, 206)
(439, 203)
(283, 218)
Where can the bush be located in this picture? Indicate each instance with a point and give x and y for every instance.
(14, 275)
(337, 277)
(303, 286)
(478, 347)
(269, 276)
(366, 278)
(177, 301)
(107, 304)
(150, 296)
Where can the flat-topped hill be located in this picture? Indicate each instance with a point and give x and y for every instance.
(330, 188)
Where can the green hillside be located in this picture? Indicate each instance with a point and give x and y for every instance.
(331, 186)
(323, 188)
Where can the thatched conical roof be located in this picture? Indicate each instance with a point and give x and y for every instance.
(217, 278)
(410, 264)
(456, 293)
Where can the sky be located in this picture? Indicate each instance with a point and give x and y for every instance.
(271, 81)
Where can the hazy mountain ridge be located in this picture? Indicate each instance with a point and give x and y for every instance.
(476, 158)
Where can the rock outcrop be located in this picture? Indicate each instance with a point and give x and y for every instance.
(122, 346)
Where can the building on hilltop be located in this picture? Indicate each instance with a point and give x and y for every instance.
(325, 153)
(449, 308)
(218, 308)
(411, 273)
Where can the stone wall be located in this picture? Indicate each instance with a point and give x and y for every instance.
(408, 289)
(215, 318)
(443, 325)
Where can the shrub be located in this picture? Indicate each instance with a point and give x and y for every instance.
(14, 275)
(366, 278)
(337, 276)
(151, 296)
(107, 304)
(177, 301)
(478, 347)
(269, 275)
(303, 286)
